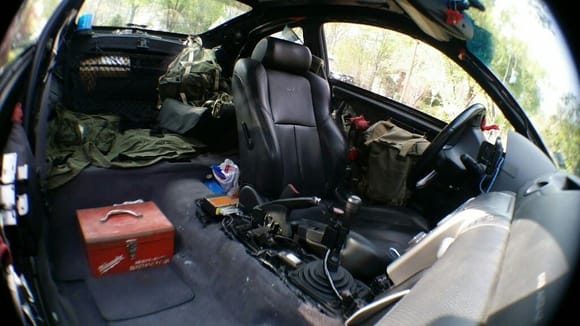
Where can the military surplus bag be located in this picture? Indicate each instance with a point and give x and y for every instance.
(193, 77)
(393, 151)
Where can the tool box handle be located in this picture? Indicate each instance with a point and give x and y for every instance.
(118, 212)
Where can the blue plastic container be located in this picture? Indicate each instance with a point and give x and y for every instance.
(85, 22)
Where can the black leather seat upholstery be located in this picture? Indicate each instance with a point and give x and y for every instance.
(287, 136)
(286, 133)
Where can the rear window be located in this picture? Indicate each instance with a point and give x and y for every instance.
(177, 16)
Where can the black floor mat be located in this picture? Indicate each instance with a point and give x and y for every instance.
(139, 293)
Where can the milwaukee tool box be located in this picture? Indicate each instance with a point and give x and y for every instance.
(124, 238)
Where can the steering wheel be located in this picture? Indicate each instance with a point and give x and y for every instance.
(424, 170)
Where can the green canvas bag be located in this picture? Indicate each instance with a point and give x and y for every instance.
(393, 151)
(193, 77)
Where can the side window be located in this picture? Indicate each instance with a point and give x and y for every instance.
(25, 28)
(403, 69)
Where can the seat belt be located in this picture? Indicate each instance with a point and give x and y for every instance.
(317, 67)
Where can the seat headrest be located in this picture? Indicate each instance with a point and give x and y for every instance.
(282, 55)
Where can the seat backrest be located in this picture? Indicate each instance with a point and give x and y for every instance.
(285, 130)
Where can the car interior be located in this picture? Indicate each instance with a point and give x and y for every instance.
(484, 235)
(292, 139)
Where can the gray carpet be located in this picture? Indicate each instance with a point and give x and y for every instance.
(230, 287)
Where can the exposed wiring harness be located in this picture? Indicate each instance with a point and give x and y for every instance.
(329, 277)
(493, 177)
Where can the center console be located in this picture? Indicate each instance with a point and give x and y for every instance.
(494, 209)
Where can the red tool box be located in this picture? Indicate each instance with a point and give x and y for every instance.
(127, 237)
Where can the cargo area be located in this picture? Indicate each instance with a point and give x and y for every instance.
(210, 275)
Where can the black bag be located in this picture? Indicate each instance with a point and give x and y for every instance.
(219, 133)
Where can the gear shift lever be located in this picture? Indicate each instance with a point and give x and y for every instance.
(326, 279)
(342, 228)
(351, 209)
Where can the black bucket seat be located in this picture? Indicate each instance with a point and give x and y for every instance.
(287, 137)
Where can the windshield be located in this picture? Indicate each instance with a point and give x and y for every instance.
(523, 45)
(188, 17)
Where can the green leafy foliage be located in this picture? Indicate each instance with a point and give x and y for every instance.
(562, 134)
(528, 80)
(403, 69)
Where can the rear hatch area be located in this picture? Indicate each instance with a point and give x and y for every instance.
(210, 276)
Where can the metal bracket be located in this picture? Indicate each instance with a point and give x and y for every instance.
(9, 161)
(131, 246)
(142, 43)
(22, 206)
(8, 217)
(22, 173)
(7, 196)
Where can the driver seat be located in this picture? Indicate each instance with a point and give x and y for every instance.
(288, 137)
(286, 134)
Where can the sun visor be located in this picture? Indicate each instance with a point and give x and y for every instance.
(442, 19)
